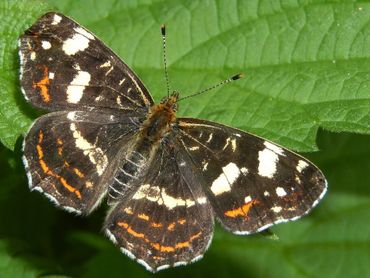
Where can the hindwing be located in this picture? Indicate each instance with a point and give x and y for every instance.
(70, 156)
(167, 219)
(250, 182)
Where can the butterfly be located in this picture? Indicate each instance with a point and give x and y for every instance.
(166, 179)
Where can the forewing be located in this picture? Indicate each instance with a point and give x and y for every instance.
(71, 156)
(251, 183)
(167, 220)
(64, 66)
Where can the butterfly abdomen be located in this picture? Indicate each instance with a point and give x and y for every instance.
(154, 129)
(127, 173)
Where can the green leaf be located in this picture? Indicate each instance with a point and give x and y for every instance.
(306, 64)
(13, 266)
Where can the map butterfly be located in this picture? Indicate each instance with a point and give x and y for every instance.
(165, 178)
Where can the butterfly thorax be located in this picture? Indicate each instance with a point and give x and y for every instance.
(160, 119)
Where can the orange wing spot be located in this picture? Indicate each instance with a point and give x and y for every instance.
(78, 173)
(171, 227)
(44, 167)
(163, 248)
(195, 236)
(49, 172)
(43, 85)
(143, 216)
(241, 211)
(66, 163)
(157, 246)
(41, 136)
(69, 187)
(60, 148)
(181, 221)
(130, 230)
(156, 225)
(40, 152)
(122, 224)
(182, 244)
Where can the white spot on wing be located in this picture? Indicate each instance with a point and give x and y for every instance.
(77, 86)
(56, 19)
(159, 268)
(111, 68)
(301, 165)
(121, 81)
(244, 170)
(105, 65)
(247, 199)
(33, 55)
(51, 75)
(118, 100)
(75, 44)
(280, 191)
(180, 263)
(146, 265)
(38, 189)
(160, 196)
(209, 138)
(111, 236)
(274, 148)
(276, 209)
(84, 33)
(202, 200)
(51, 198)
(231, 141)
(205, 166)
(226, 179)
(95, 154)
(71, 116)
(71, 210)
(99, 98)
(46, 45)
(128, 253)
(267, 163)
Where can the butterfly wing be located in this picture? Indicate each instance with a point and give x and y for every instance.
(65, 67)
(167, 219)
(70, 156)
(251, 183)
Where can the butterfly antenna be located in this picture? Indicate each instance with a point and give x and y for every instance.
(163, 31)
(230, 79)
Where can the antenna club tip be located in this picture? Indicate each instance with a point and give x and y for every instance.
(163, 29)
(238, 76)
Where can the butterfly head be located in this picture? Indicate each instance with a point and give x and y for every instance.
(171, 101)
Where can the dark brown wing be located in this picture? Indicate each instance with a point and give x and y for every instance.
(251, 182)
(65, 67)
(166, 220)
(71, 156)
